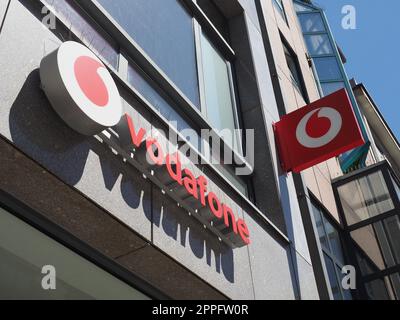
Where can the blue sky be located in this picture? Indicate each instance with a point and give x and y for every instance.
(372, 50)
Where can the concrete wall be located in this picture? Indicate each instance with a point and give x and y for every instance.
(267, 269)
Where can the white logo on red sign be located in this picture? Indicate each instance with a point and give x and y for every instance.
(81, 89)
(311, 135)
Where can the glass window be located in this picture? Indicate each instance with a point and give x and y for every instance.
(366, 240)
(333, 252)
(365, 197)
(333, 280)
(311, 22)
(219, 105)
(165, 32)
(294, 70)
(327, 68)
(24, 251)
(331, 87)
(300, 8)
(396, 187)
(146, 88)
(334, 241)
(395, 278)
(392, 226)
(318, 44)
(281, 9)
(384, 244)
(377, 290)
(365, 265)
(320, 227)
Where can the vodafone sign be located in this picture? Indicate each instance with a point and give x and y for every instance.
(83, 93)
(317, 132)
(80, 89)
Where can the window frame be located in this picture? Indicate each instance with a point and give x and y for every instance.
(326, 218)
(387, 172)
(300, 87)
(137, 54)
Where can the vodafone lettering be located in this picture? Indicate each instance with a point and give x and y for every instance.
(187, 185)
(83, 93)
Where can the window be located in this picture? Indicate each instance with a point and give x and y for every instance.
(278, 4)
(24, 251)
(327, 68)
(331, 87)
(177, 43)
(164, 30)
(365, 197)
(318, 44)
(219, 102)
(396, 186)
(370, 209)
(333, 253)
(294, 69)
(312, 22)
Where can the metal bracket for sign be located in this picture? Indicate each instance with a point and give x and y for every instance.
(112, 141)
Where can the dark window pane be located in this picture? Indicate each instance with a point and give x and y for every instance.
(396, 187)
(327, 68)
(216, 17)
(395, 278)
(376, 290)
(365, 266)
(165, 31)
(320, 227)
(334, 241)
(384, 244)
(294, 70)
(392, 225)
(346, 293)
(333, 280)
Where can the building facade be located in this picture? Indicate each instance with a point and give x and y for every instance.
(80, 207)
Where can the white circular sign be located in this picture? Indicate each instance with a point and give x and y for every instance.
(80, 88)
(317, 142)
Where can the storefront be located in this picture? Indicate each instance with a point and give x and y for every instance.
(83, 203)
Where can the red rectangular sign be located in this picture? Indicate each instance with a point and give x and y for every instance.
(317, 132)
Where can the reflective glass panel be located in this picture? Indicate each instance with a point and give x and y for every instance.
(311, 22)
(164, 30)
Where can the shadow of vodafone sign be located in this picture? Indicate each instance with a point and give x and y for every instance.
(84, 94)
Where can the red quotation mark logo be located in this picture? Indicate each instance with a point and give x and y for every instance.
(319, 127)
(88, 74)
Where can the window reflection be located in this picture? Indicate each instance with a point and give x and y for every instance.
(365, 198)
(318, 44)
(164, 30)
(311, 22)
